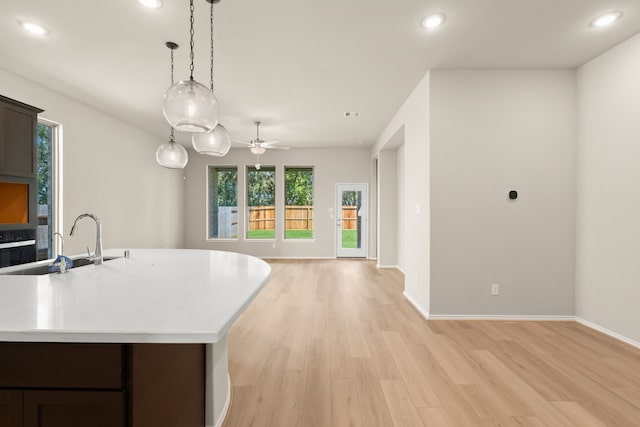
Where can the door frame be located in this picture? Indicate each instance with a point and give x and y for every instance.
(363, 251)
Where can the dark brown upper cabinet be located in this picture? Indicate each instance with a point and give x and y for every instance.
(18, 138)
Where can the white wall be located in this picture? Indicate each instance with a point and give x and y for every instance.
(331, 166)
(109, 169)
(493, 131)
(608, 215)
(387, 209)
(410, 126)
(401, 208)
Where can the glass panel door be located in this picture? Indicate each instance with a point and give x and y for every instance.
(351, 220)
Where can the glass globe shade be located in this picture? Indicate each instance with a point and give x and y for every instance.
(190, 106)
(257, 150)
(172, 155)
(214, 143)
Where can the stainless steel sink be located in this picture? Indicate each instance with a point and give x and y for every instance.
(39, 270)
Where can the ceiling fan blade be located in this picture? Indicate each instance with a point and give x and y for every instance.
(277, 148)
(243, 142)
(271, 142)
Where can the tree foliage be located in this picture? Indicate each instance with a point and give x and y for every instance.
(261, 187)
(350, 198)
(225, 186)
(298, 187)
(44, 156)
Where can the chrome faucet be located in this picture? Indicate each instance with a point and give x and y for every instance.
(97, 256)
(56, 234)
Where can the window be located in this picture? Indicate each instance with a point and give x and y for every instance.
(261, 203)
(45, 146)
(223, 202)
(298, 189)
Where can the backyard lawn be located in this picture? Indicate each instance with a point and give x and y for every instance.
(349, 237)
(298, 234)
(261, 234)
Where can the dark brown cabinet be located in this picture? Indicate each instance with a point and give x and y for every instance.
(44, 408)
(102, 385)
(17, 138)
(11, 408)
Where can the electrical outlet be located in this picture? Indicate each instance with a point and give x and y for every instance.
(273, 245)
(495, 289)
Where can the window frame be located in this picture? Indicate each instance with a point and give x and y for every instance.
(56, 188)
(246, 203)
(208, 203)
(284, 204)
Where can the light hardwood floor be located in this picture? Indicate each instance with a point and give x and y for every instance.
(334, 343)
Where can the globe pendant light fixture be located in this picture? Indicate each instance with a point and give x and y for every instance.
(171, 155)
(216, 142)
(190, 106)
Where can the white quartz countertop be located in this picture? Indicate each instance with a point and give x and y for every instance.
(154, 296)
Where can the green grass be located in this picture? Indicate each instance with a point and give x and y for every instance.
(349, 238)
(298, 234)
(261, 234)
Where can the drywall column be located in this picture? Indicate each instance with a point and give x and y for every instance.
(608, 216)
(387, 208)
(410, 127)
(401, 210)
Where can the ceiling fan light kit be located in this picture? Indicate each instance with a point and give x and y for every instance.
(258, 146)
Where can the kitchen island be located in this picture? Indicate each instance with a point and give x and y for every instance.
(171, 308)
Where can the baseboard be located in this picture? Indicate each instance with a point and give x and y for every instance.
(417, 306)
(606, 331)
(537, 318)
(297, 257)
(387, 266)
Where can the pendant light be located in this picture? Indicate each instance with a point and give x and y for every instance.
(190, 106)
(216, 142)
(170, 154)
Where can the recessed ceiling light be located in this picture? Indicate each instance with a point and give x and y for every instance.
(433, 21)
(606, 19)
(151, 4)
(34, 28)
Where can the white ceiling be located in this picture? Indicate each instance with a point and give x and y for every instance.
(297, 65)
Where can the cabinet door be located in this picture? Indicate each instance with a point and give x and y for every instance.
(73, 408)
(10, 408)
(17, 140)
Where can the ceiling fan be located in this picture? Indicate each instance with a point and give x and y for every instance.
(259, 146)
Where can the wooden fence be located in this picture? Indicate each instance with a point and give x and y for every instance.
(262, 218)
(296, 217)
(349, 217)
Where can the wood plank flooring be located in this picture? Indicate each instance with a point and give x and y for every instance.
(333, 343)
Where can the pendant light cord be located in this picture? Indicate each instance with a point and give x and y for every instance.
(171, 66)
(191, 33)
(172, 48)
(211, 49)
